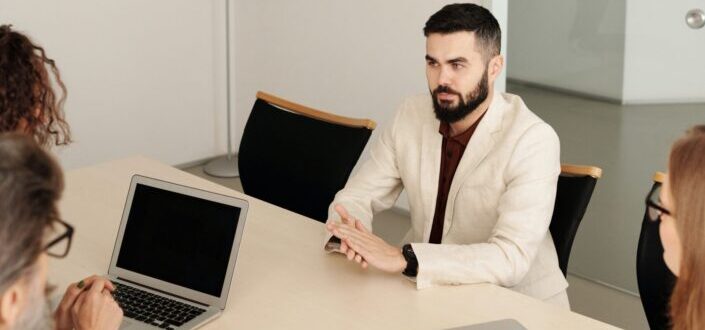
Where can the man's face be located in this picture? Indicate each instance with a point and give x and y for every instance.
(457, 74)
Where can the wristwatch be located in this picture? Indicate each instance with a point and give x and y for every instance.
(412, 265)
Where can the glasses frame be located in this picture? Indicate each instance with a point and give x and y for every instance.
(654, 210)
(68, 234)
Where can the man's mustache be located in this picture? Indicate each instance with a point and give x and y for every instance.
(445, 89)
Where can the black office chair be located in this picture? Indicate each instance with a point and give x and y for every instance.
(655, 280)
(575, 186)
(296, 157)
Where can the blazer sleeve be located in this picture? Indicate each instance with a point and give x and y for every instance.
(525, 210)
(376, 185)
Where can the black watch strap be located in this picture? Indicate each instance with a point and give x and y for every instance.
(412, 264)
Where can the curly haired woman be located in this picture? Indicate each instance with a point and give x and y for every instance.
(28, 102)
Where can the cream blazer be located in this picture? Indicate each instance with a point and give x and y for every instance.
(500, 202)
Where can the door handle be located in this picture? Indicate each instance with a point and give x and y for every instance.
(695, 18)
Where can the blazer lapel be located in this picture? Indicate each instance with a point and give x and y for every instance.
(481, 142)
(430, 160)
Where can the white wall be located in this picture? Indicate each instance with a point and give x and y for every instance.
(663, 56)
(142, 76)
(574, 45)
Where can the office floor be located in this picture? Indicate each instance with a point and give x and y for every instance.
(586, 297)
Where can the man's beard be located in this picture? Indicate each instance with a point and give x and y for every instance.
(37, 314)
(451, 114)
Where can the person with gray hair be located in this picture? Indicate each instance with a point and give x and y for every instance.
(31, 230)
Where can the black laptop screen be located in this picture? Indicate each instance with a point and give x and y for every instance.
(179, 239)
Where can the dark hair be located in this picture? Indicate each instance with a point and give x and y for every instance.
(471, 18)
(26, 94)
(30, 185)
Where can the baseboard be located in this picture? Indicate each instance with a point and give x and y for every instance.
(611, 286)
(566, 91)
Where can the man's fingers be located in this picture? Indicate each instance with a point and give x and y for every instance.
(359, 225)
(96, 287)
(77, 305)
(343, 233)
(337, 233)
(340, 209)
(356, 235)
(364, 264)
(99, 281)
(350, 254)
(352, 242)
(343, 247)
(344, 215)
(72, 292)
(359, 248)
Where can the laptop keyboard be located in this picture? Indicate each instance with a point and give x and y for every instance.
(153, 309)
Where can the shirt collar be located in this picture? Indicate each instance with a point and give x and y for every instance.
(462, 138)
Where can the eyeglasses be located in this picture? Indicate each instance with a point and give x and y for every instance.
(653, 204)
(59, 246)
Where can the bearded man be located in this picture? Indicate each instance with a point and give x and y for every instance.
(480, 170)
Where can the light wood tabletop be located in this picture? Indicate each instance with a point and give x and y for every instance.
(283, 278)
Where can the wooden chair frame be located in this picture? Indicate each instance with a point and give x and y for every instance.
(581, 170)
(659, 177)
(316, 114)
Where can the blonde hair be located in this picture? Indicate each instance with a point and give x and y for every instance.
(687, 182)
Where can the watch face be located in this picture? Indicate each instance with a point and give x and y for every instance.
(408, 251)
(412, 265)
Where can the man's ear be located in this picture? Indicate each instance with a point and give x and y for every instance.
(11, 303)
(495, 67)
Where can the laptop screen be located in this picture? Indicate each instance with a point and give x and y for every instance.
(179, 239)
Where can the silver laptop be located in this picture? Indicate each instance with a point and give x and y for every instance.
(175, 254)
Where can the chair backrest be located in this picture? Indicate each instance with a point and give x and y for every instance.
(297, 157)
(653, 276)
(575, 186)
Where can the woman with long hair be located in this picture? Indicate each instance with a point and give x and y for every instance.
(681, 209)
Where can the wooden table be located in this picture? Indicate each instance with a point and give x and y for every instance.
(283, 278)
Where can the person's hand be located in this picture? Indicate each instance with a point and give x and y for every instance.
(95, 308)
(349, 221)
(369, 247)
(62, 316)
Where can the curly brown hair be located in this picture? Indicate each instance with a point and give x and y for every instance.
(27, 100)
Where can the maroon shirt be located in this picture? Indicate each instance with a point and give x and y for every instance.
(451, 152)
